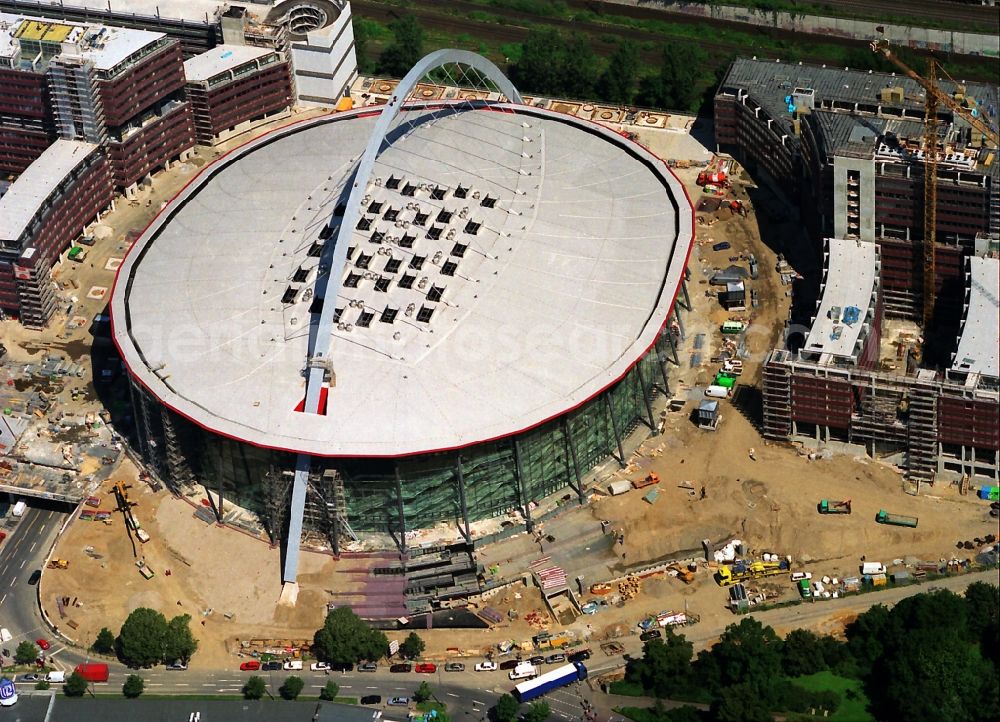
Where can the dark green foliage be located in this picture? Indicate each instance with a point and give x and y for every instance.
(617, 83)
(255, 687)
(133, 687)
(739, 703)
(42, 684)
(802, 653)
(506, 709)
(538, 712)
(665, 666)
(345, 638)
(26, 652)
(675, 86)
(748, 654)
(423, 692)
(412, 647)
(105, 642)
(178, 642)
(555, 64)
(140, 641)
(330, 691)
(405, 50)
(75, 686)
(291, 688)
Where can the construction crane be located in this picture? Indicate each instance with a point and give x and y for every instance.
(934, 97)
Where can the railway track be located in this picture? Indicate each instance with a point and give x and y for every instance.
(453, 18)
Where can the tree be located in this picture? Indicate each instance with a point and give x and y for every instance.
(254, 688)
(105, 642)
(26, 652)
(802, 653)
(617, 82)
(578, 68)
(539, 68)
(665, 665)
(179, 643)
(866, 637)
(423, 692)
(346, 639)
(675, 86)
(330, 691)
(133, 686)
(506, 709)
(748, 654)
(412, 647)
(292, 687)
(537, 712)
(738, 703)
(405, 50)
(75, 686)
(141, 639)
(42, 684)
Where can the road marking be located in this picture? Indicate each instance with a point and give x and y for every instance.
(451, 694)
(2, 599)
(182, 684)
(12, 581)
(344, 686)
(228, 689)
(154, 684)
(33, 545)
(476, 701)
(371, 687)
(205, 684)
(23, 562)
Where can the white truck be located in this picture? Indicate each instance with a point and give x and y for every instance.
(525, 670)
(19, 508)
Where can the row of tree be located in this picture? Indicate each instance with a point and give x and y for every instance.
(345, 638)
(556, 64)
(934, 656)
(147, 638)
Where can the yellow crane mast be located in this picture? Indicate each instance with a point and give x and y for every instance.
(934, 98)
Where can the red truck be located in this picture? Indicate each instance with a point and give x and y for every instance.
(93, 671)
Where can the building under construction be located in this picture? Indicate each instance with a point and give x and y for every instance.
(847, 145)
(847, 384)
(498, 323)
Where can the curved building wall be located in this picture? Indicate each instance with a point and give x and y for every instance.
(498, 476)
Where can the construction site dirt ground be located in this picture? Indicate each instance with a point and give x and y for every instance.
(769, 502)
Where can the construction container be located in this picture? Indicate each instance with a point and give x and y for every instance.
(619, 487)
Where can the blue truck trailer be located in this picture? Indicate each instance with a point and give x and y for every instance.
(559, 677)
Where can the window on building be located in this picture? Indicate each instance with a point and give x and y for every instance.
(424, 314)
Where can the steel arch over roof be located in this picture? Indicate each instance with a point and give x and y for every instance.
(328, 287)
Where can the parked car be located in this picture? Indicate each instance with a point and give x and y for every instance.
(341, 667)
(555, 658)
(509, 664)
(252, 666)
(177, 665)
(486, 666)
(426, 668)
(292, 665)
(580, 656)
(43, 644)
(35, 576)
(368, 667)
(29, 677)
(722, 246)
(270, 667)
(454, 667)
(371, 699)
(537, 660)
(399, 702)
(319, 667)
(3, 535)
(400, 668)
(651, 634)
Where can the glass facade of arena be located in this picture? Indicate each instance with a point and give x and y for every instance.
(412, 492)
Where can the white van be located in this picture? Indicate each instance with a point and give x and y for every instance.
(717, 392)
(19, 508)
(292, 664)
(525, 670)
(56, 677)
(5, 635)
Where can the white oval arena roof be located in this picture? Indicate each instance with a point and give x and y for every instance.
(510, 265)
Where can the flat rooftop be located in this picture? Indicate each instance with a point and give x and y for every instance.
(979, 343)
(850, 275)
(509, 266)
(220, 59)
(29, 192)
(106, 46)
